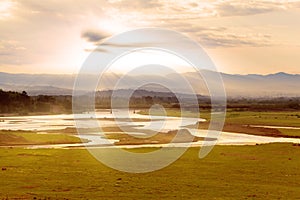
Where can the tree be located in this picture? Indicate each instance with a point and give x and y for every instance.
(24, 93)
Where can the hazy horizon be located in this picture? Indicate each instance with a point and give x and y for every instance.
(279, 84)
(119, 73)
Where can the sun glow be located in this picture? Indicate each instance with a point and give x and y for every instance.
(5, 9)
(150, 58)
(112, 27)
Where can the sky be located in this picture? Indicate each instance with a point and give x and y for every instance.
(241, 37)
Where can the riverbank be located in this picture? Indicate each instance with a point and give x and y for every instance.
(266, 123)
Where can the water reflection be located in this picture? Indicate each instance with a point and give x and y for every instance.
(44, 123)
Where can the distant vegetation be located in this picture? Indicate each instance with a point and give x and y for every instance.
(22, 103)
(14, 102)
(264, 104)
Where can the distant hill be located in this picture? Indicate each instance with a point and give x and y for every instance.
(144, 93)
(252, 85)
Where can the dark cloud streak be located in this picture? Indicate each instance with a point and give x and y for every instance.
(94, 35)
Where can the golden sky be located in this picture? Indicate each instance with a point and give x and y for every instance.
(241, 37)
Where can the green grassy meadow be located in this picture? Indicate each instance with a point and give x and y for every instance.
(264, 118)
(228, 172)
(8, 137)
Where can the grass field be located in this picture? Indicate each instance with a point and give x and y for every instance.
(228, 172)
(264, 118)
(29, 137)
(290, 132)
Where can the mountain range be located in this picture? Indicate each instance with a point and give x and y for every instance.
(251, 85)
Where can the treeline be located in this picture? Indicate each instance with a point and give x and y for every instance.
(21, 103)
(137, 102)
(14, 102)
(264, 104)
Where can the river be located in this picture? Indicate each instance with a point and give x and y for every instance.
(44, 123)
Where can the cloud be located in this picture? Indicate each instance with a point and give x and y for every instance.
(12, 52)
(164, 10)
(97, 38)
(184, 16)
(221, 36)
(234, 40)
(57, 7)
(46, 30)
(106, 46)
(130, 5)
(194, 4)
(94, 35)
(241, 8)
(210, 37)
(5, 9)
